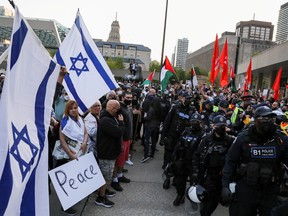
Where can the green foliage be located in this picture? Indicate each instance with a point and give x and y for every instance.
(180, 73)
(115, 63)
(52, 52)
(154, 65)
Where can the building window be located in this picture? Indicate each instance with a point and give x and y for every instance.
(245, 32)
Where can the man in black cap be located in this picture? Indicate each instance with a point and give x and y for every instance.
(209, 160)
(254, 161)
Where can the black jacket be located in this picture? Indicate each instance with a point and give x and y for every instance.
(244, 150)
(109, 136)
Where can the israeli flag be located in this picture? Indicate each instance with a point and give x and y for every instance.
(89, 76)
(25, 109)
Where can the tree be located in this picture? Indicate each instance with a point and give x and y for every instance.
(155, 65)
(115, 63)
(181, 74)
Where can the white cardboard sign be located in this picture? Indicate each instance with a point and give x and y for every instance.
(77, 179)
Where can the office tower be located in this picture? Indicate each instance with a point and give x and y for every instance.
(181, 53)
(282, 25)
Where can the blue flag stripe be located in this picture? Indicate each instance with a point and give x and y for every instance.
(18, 39)
(59, 59)
(27, 205)
(74, 93)
(6, 183)
(94, 59)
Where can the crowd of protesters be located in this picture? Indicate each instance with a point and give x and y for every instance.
(196, 127)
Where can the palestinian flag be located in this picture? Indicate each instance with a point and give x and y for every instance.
(149, 79)
(166, 72)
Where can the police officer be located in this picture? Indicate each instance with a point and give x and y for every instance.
(175, 123)
(183, 153)
(256, 155)
(209, 160)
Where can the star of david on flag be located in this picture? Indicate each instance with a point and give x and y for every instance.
(89, 76)
(25, 112)
(22, 138)
(79, 64)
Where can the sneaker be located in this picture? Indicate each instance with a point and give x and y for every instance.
(124, 179)
(103, 201)
(110, 193)
(116, 186)
(70, 211)
(144, 159)
(129, 162)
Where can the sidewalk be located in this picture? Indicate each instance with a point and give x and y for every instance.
(144, 195)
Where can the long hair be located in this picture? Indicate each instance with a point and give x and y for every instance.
(68, 106)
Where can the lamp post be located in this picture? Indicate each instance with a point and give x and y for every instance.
(163, 40)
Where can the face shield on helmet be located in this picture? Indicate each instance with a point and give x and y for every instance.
(196, 193)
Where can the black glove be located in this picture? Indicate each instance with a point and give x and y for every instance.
(162, 141)
(194, 179)
(226, 194)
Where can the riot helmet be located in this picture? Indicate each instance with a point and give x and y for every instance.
(196, 193)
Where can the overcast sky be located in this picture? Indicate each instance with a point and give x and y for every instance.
(142, 21)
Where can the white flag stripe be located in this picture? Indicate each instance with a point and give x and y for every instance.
(89, 76)
(25, 111)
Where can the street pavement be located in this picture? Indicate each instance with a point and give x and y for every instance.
(143, 196)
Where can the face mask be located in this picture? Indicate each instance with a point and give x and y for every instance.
(66, 97)
(127, 102)
(220, 131)
(187, 103)
(151, 96)
(119, 92)
(267, 128)
(195, 126)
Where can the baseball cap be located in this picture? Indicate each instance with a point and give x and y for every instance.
(221, 120)
(263, 111)
(224, 103)
(197, 117)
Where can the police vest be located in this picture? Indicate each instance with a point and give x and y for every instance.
(189, 142)
(214, 153)
(261, 162)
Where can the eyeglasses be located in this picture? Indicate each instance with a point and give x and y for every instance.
(266, 119)
(96, 105)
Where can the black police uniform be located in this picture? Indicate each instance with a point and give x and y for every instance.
(208, 162)
(257, 159)
(176, 121)
(183, 154)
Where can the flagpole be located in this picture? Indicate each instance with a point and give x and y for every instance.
(163, 40)
(191, 75)
(12, 3)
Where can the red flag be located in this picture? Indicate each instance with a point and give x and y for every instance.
(232, 74)
(276, 85)
(224, 64)
(248, 77)
(215, 61)
(151, 75)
